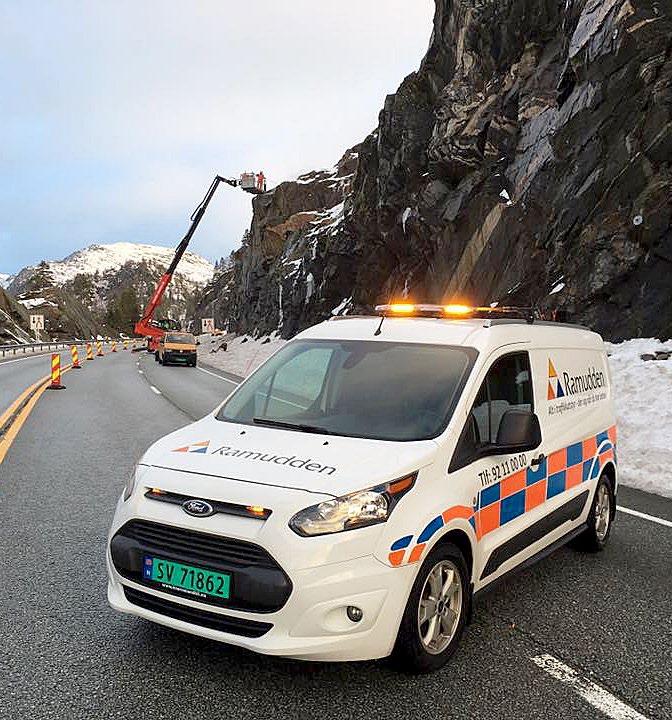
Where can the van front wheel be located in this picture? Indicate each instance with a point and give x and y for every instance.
(436, 612)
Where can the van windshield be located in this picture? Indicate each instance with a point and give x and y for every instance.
(366, 389)
(184, 338)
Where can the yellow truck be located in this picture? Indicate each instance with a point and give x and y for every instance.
(177, 347)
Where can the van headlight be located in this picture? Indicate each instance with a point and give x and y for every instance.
(132, 480)
(130, 483)
(349, 512)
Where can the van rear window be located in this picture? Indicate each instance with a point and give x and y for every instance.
(183, 338)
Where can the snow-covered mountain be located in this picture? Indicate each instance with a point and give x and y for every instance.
(102, 259)
(104, 287)
(5, 280)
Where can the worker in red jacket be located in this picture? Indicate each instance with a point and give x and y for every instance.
(261, 182)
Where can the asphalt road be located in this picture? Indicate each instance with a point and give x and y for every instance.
(18, 374)
(66, 654)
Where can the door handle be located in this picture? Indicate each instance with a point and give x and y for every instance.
(538, 460)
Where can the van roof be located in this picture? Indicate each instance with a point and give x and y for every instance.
(477, 333)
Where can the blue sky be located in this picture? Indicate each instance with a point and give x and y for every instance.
(116, 115)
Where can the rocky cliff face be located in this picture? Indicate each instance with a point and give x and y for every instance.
(282, 277)
(14, 321)
(528, 161)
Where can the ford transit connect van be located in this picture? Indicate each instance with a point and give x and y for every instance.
(351, 497)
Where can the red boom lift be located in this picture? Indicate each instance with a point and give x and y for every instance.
(147, 325)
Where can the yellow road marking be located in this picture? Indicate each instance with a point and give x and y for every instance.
(12, 408)
(8, 438)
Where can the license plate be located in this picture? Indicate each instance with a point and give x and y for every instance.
(192, 580)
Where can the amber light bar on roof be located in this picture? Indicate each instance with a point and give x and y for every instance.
(422, 310)
(451, 311)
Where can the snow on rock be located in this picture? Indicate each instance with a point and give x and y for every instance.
(642, 395)
(343, 307)
(404, 218)
(243, 354)
(329, 220)
(506, 197)
(5, 279)
(36, 302)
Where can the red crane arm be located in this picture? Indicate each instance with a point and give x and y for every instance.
(146, 325)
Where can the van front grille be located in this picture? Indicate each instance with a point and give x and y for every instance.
(258, 583)
(200, 547)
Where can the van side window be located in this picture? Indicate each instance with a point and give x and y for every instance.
(507, 385)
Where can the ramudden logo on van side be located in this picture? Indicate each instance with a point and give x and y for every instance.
(573, 384)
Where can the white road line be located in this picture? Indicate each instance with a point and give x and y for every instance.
(27, 357)
(219, 377)
(155, 390)
(597, 696)
(644, 516)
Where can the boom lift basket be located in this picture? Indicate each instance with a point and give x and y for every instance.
(248, 182)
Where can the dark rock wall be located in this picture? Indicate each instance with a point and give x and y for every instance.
(528, 161)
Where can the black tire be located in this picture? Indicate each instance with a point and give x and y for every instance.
(410, 654)
(156, 356)
(161, 361)
(595, 537)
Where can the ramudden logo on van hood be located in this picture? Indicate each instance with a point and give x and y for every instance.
(573, 384)
(290, 460)
(199, 447)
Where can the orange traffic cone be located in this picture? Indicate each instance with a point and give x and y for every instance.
(100, 353)
(89, 351)
(75, 358)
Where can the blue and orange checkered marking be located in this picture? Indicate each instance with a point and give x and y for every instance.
(518, 493)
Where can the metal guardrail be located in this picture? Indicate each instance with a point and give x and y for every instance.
(7, 350)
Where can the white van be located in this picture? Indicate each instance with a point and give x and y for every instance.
(349, 499)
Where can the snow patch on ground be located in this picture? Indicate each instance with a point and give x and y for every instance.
(642, 395)
(242, 356)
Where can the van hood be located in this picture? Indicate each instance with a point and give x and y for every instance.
(321, 464)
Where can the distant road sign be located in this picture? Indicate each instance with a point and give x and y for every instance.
(208, 325)
(37, 322)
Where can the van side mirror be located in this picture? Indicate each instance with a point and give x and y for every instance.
(519, 430)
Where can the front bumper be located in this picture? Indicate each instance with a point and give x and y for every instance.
(312, 625)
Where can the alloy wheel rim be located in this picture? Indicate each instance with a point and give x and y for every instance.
(602, 512)
(440, 607)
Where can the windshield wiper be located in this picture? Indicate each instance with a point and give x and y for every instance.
(292, 426)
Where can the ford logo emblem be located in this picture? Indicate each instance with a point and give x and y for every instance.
(198, 508)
